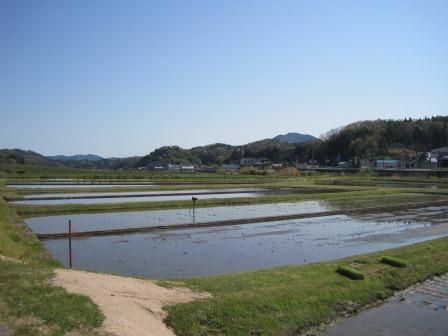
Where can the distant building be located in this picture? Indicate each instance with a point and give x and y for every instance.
(188, 167)
(230, 167)
(247, 161)
(439, 156)
(301, 166)
(365, 163)
(174, 167)
(276, 166)
(395, 164)
(254, 162)
(386, 164)
(157, 165)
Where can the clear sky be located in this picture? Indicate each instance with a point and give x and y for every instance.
(119, 78)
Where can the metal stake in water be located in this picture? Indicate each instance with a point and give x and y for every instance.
(194, 199)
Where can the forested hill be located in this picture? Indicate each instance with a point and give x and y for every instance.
(221, 153)
(9, 158)
(396, 139)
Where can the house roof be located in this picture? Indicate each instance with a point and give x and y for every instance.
(155, 164)
(440, 150)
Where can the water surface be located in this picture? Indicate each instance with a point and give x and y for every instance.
(76, 185)
(211, 251)
(119, 220)
(156, 196)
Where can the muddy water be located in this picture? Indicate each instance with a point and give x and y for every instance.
(209, 251)
(418, 311)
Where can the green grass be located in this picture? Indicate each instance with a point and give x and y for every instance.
(350, 272)
(27, 295)
(393, 261)
(289, 300)
(18, 242)
(29, 304)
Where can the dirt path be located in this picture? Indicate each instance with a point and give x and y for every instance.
(421, 310)
(132, 307)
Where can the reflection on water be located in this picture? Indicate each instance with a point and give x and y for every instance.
(156, 196)
(417, 311)
(63, 185)
(117, 220)
(208, 251)
(139, 193)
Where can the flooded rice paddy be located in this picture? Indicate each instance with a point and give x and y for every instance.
(138, 193)
(155, 196)
(123, 220)
(64, 185)
(210, 251)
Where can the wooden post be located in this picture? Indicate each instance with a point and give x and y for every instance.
(70, 242)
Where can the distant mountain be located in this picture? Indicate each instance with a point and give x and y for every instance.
(218, 153)
(9, 158)
(391, 139)
(294, 138)
(19, 156)
(79, 157)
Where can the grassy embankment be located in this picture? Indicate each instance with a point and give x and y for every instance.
(290, 300)
(29, 304)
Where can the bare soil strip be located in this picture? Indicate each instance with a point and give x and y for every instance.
(254, 220)
(132, 307)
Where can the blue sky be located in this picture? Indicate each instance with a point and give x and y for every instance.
(120, 78)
